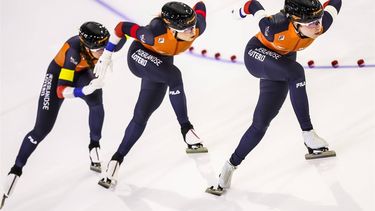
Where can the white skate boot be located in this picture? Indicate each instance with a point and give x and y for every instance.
(95, 160)
(10, 183)
(316, 146)
(111, 175)
(225, 179)
(193, 141)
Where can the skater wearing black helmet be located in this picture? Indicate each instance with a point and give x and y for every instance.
(150, 57)
(271, 56)
(69, 75)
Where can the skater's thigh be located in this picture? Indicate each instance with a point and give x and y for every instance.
(271, 97)
(48, 104)
(150, 97)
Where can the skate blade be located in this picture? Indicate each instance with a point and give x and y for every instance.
(215, 191)
(3, 201)
(197, 150)
(105, 184)
(96, 169)
(320, 155)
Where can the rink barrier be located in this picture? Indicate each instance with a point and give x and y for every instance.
(335, 64)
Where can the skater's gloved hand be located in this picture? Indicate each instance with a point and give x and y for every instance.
(96, 83)
(104, 63)
(238, 13)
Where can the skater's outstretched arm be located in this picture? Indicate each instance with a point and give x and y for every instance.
(331, 10)
(122, 31)
(200, 10)
(252, 7)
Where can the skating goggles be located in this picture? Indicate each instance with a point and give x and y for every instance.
(97, 49)
(189, 29)
(312, 23)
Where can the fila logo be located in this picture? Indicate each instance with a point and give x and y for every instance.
(266, 31)
(174, 92)
(279, 47)
(72, 60)
(161, 40)
(32, 140)
(301, 84)
(143, 39)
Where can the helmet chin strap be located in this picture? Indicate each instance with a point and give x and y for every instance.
(297, 27)
(175, 34)
(87, 55)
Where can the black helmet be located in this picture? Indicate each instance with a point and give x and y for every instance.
(93, 35)
(178, 15)
(303, 11)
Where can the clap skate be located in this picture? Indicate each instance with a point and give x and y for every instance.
(95, 160)
(196, 148)
(225, 179)
(10, 184)
(111, 175)
(218, 191)
(316, 146)
(3, 201)
(192, 140)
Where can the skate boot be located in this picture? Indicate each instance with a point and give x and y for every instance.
(111, 175)
(95, 156)
(95, 159)
(192, 140)
(316, 146)
(225, 179)
(11, 181)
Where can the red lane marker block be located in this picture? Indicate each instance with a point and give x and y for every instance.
(335, 64)
(217, 55)
(233, 58)
(361, 63)
(311, 63)
(204, 52)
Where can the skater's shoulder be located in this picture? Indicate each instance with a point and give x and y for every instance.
(74, 42)
(274, 24)
(157, 26)
(278, 20)
(73, 45)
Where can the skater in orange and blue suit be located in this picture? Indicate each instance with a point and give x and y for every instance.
(151, 58)
(69, 75)
(271, 56)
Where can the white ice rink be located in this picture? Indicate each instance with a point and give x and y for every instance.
(157, 174)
